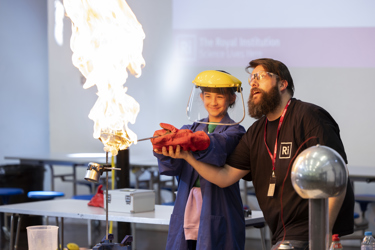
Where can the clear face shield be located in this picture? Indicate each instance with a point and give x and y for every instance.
(216, 98)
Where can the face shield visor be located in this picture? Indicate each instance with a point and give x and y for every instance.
(216, 98)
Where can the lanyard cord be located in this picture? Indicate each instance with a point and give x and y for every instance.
(273, 157)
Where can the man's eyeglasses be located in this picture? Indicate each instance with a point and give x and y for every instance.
(260, 76)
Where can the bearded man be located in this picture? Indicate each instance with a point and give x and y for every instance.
(283, 123)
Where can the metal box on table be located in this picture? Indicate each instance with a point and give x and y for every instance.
(130, 200)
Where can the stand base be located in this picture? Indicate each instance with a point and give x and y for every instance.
(106, 244)
(111, 246)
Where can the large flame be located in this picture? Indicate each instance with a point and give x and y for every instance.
(107, 40)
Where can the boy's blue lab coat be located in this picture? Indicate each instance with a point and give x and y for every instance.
(222, 224)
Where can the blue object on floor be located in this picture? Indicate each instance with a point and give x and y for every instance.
(6, 192)
(83, 197)
(171, 203)
(364, 200)
(44, 195)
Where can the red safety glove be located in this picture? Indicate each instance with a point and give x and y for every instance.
(184, 137)
(167, 129)
(98, 199)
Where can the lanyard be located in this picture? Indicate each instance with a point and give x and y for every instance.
(273, 158)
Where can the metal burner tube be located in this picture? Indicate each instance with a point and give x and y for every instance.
(106, 199)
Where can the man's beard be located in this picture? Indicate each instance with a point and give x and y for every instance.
(268, 102)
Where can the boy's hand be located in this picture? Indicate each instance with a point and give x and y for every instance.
(177, 153)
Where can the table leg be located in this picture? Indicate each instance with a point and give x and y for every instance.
(11, 231)
(173, 189)
(89, 233)
(52, 177)
(62, 233)
(151, 183)
(58, 232)
(15, 246)
(136, 180)
(158, 186)
(244, 197)
(263, 237)
(6, 226)
(18, 232)
(74, 179)
(134, 235)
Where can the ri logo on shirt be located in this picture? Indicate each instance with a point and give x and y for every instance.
(285, 150)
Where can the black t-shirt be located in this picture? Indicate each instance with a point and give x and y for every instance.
(302, 121)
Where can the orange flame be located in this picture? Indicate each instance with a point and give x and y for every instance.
(107, 41)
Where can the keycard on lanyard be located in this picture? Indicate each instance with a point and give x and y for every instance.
(271, 188)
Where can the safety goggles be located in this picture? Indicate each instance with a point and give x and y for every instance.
(260, 76)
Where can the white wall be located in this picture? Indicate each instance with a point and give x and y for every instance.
(24, 103)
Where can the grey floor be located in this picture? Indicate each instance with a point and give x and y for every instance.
(147, 238)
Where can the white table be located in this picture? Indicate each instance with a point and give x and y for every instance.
(139, 164)
(364, 174)
(78, 209)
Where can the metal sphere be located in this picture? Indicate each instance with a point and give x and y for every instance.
(319, 172)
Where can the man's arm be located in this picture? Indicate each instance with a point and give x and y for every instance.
(334, 206)
(221, 176)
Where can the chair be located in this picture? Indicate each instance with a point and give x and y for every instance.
(170, 184)
(363, 200)
(91, 185)
(260, 226)
(5, 194)
(44, 195)
(170, 203)
(87, 197)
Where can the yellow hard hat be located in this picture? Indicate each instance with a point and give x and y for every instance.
(216, 79)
